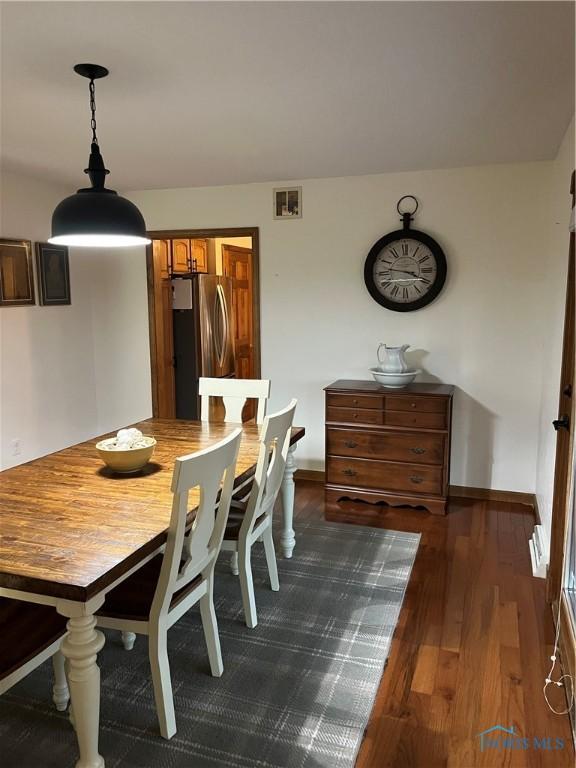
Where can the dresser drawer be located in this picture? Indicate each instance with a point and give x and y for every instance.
(391, 446)
(419, 404)
(415, 419)
(365, 473)
(355, 401)
(354, 415)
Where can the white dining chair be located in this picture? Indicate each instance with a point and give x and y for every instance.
(29, 635)
(234, 393)
(250, 519)
(155, 596)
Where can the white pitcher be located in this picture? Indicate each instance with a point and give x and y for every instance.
(393, 359)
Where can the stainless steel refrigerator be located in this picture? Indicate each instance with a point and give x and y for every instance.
(203, 336)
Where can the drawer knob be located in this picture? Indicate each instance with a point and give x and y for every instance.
(350, 444)
(355, 402)
(418, 450)
(412, 405)
(416, 479)
(350, 472)
(355, 415)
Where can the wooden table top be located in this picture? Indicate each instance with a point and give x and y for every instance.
(69, 527)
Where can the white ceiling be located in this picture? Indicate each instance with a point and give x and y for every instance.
(224, 93)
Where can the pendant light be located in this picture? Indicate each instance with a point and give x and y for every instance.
(96, 216)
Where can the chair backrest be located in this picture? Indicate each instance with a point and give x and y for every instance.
(187, 556)
(274, 445)
(234, 393)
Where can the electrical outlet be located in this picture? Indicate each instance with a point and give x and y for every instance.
(16, 447)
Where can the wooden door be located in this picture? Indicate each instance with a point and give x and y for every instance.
(564, 492)
(181, 256)
(237, 264)
(200, 254)
(162, 338)
(564, 427)
(162, 255)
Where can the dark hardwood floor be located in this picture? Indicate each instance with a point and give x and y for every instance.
(472, 645)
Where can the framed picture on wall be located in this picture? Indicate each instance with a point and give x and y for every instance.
(16, 273)
(53, 274)
(288, 203)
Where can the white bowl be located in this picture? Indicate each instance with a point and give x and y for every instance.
(394, 380)
(126, 461)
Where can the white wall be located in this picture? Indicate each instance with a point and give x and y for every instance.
(121, 341)
(48, 394)
(552, 308)
(66, 372)
(484, 334)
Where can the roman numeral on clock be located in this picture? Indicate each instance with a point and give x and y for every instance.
(404, 249)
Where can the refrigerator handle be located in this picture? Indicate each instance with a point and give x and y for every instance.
(216, 334)
(226, 330)
(223, 326)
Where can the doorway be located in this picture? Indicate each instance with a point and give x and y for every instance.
(231, 253)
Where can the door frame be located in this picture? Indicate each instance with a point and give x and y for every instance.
(564, 475)
(564, 437)
(191, 234)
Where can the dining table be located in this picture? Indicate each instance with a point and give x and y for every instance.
(71, 530)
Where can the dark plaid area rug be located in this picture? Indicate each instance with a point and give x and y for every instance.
(297, 690)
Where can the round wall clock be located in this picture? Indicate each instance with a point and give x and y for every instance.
(406, 269)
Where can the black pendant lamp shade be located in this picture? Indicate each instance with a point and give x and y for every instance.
(96, 216)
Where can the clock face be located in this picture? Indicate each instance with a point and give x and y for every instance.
(405, 270)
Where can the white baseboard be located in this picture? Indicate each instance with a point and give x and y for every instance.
(539, 552)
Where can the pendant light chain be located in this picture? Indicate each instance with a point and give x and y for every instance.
(93, 111)
(97, 217)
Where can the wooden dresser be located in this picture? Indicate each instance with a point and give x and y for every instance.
(387, 445)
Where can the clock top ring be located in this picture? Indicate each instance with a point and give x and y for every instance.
(407, 197)
(406, 269)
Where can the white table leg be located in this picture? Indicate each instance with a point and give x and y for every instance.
(287, 538)
(80, 648)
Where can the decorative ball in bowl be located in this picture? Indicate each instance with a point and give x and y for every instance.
(394, 380)
(128, 452)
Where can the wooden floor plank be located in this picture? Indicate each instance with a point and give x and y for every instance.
(424, 679)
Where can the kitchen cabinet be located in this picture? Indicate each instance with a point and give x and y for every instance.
(200, 254)
(181, 256)
(161, 250)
